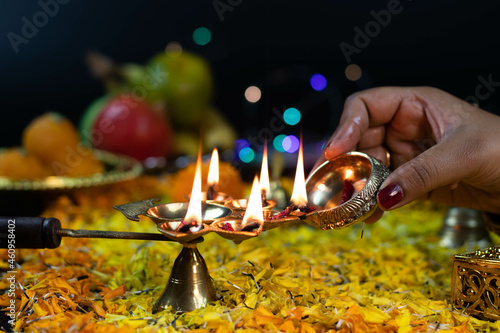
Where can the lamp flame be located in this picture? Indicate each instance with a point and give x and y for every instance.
(193, 213)
(213, 171)
(264, 173)
(254, 206)
(299, 194)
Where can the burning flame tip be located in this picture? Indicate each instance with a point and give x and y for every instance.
(254, 207)
(213, 171)
(194, 213)
(299, 193)
(264, 172)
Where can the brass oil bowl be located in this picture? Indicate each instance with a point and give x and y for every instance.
(239, 206)
(170, 211)
(324, 188)
(168, 218)
(237, 234)
(177, 211)
(182, 237)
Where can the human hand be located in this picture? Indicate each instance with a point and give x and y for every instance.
(441, 148)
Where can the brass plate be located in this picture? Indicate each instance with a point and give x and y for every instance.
(118, 168)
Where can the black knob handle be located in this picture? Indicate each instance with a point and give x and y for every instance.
(29, 232)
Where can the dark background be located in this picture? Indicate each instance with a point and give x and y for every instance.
(276, 45)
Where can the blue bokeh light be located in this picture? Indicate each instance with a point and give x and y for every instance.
(202, 36)
(291, 144)
(278, 143)
(291, 116)
(240, 144)
(318, 82)
(246, 155)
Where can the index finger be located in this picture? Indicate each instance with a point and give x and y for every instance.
(369, 108)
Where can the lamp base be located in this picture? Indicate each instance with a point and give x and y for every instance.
(190, 286)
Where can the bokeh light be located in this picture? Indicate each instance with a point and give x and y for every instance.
(202, 36)
(253, 94)
(173, 49)
(291, 116)
(246, 155)
(278, 143)
(318, 82)
(183, 161)
(353, 72)
(290, 144)
(320, 145)
(240, 144)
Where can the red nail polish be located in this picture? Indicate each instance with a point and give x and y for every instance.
(390, 195)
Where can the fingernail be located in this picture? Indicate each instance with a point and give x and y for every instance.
(328, 144)
(390, 195)
(326, 149)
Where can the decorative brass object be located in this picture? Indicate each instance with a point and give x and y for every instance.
(225, 217)
(476, 283)
(324, 189)
(464, 227)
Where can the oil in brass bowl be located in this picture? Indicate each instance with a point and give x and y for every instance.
(325, 185)
(168, 218)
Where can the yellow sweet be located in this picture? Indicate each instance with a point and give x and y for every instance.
(15, 163)
(49, 137)
(55, 141)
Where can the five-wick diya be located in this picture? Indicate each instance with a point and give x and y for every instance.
(339, 193)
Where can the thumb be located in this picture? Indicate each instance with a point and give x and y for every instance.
(440, 165)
